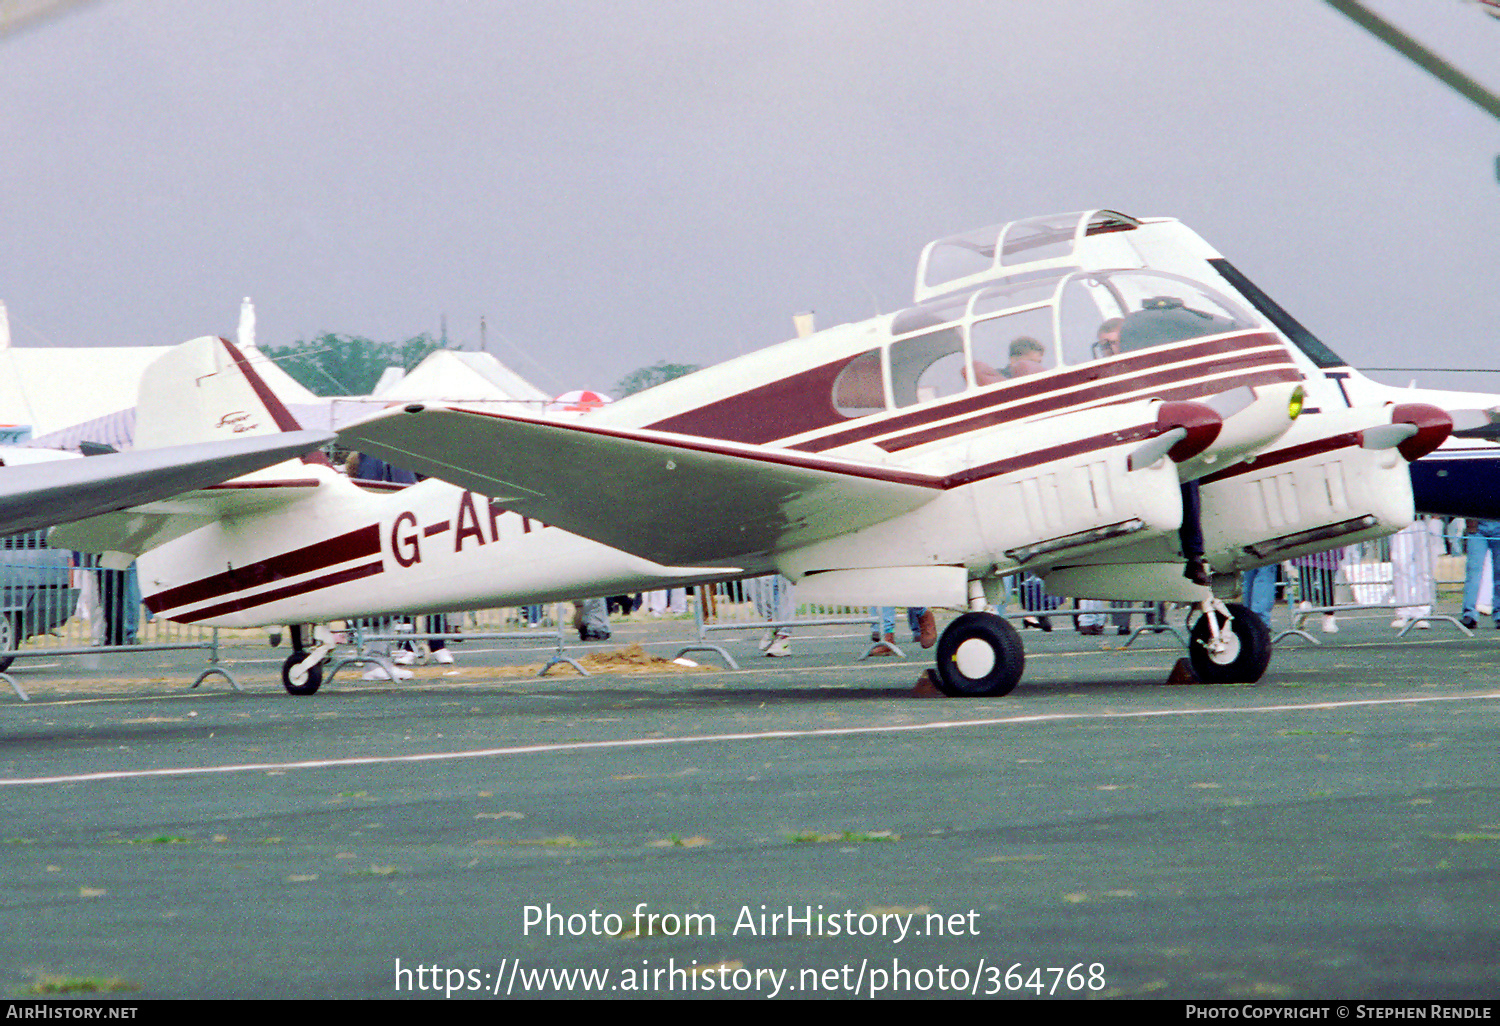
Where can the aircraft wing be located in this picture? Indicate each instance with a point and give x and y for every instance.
(37, 495)
(673, 499)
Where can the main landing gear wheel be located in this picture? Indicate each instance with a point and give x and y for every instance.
(1243, 651)
(979, 654)
(305, 683)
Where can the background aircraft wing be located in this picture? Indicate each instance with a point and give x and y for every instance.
(37, 495)
(673, 499)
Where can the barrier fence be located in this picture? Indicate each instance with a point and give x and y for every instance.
(48, 608)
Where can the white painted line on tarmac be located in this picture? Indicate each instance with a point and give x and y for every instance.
(763, 735)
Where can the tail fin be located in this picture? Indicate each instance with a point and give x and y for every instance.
(209, 390)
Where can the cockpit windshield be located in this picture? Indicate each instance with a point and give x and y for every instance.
(1108, 313)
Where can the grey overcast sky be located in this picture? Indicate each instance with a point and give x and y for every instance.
(614, 183)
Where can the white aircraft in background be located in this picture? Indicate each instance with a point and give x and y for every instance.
(910, 459)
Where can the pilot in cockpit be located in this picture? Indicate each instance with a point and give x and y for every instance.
(1108, 340)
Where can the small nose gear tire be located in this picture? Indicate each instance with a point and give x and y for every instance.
(307, 685)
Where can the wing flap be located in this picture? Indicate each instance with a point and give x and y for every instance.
(673, 499)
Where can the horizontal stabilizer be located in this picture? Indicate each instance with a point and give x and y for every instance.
(42, 494)
(131, 532)
(673, 499)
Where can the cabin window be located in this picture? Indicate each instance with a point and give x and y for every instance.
(859, 390)
(928, 366)
(1039, 238)
(929, 315)
(1013, 345)
(960, 256)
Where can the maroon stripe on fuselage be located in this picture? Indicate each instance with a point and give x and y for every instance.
(342, 549)
(1168, 385)
(303, 482)
(1117, 375)
(896, 475)
(792, 405)
(1288, 455)
(778, 457)
(1047, 455)
(239, 604)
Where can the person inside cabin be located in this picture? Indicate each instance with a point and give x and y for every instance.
(1107, 343)
(1025, 357)
(984, 374)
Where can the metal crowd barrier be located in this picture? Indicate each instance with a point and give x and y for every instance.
(49, 608)
(733, 608)
(41, 614)
(387, 631)
(1366, 580)
(1164, 627)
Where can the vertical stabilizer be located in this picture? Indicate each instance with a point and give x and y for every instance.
(208, 390)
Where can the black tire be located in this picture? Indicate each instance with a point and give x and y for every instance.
(9, 642)
(310, 685)
(979, 654)
(1246, 657)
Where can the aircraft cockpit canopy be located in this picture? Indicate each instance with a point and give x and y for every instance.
(1050, 241)
(1030, 324)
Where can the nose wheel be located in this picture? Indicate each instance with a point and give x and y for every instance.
(1229, 645)
(979, 654)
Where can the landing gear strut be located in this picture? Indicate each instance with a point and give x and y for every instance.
(1230, 645)
(979, 654)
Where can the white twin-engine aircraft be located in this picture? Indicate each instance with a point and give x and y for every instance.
(1064, 393)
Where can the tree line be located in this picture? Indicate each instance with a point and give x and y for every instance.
(333, 364)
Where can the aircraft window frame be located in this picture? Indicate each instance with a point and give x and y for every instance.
(1056, 235)
(1242, 316)
(905, 388)
(932, 314)
(981, 242)
(1051, 355)
(1056, 278)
